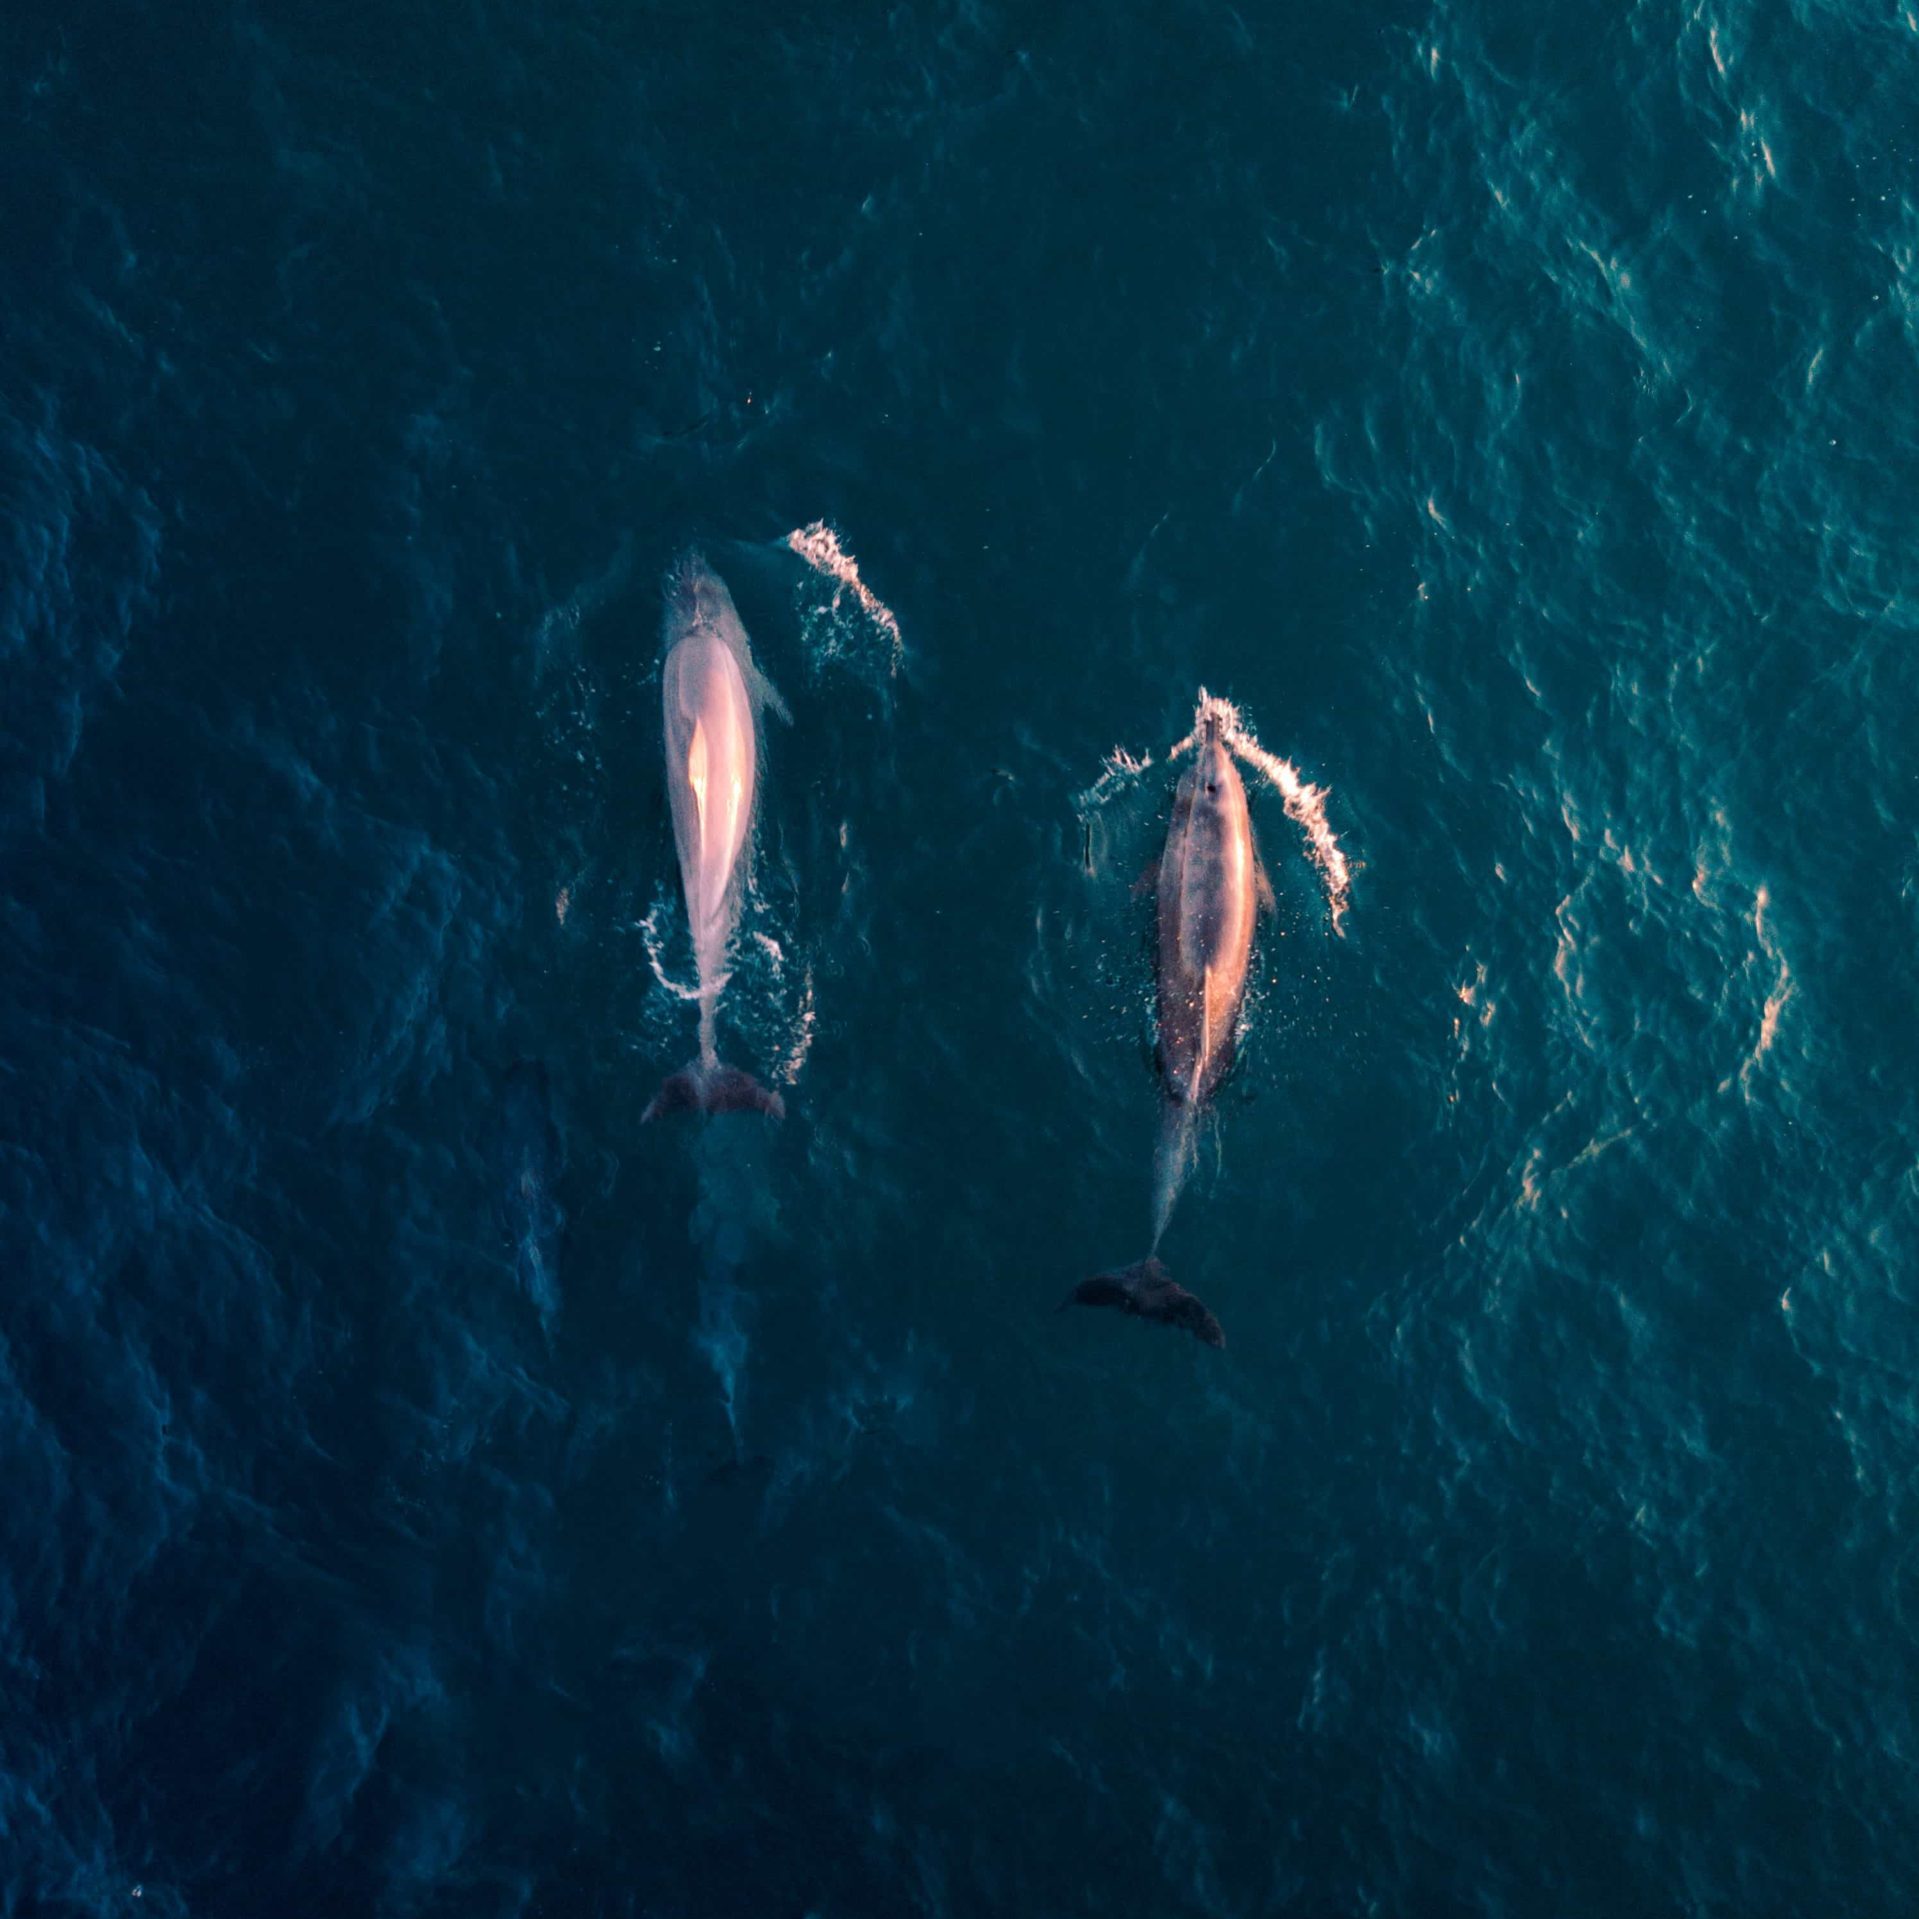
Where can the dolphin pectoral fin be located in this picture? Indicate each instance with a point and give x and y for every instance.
(713, 1089)
(1149, 1291)
(1148, 882)
(1263, 889)
(766, 693)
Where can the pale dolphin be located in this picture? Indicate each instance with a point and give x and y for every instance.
(711, 694)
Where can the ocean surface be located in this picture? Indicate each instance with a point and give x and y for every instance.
(428, 1491)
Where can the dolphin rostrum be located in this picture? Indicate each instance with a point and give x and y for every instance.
(711, 696)
(1210, 887)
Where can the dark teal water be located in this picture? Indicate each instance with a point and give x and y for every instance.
(1515, 410)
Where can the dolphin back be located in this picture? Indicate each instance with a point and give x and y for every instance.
(1208, 900)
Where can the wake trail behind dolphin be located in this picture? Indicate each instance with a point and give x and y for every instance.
(733, 1210)
(1173, 1159)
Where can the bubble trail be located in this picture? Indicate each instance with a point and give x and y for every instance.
(1120, 769)
(722, 1342)
(804, 1027)
(819, 546)
(1305, 803)
(650, 932)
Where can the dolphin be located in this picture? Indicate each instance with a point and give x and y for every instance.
(1210, 887)
(711, 695)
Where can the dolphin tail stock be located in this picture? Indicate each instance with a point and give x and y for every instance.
(1173, 1157)
(705, 1086)
(1148, 1291)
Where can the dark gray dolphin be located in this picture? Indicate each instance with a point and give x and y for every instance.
(1209, 891)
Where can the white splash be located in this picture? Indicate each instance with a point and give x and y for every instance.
(1305, 803)
(819, 546)
(1119, 769)
(650, 932)
(805, 1025)
(773, 1004)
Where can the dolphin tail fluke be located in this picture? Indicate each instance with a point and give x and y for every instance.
(700, 1088)
(728, 1090)
(1148, 1291)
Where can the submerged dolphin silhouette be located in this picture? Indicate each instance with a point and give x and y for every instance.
(527, 1158)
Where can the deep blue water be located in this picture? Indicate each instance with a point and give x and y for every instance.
(1514, 409)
